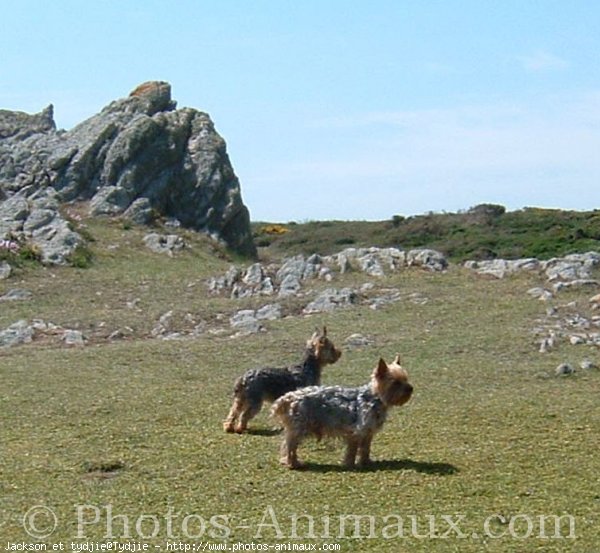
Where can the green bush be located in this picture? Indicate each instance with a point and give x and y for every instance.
(81, 258)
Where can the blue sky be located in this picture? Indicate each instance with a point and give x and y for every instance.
(338, 109)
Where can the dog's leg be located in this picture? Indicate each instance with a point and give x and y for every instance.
(364, 451)
(290, 447)
(351, 449)
(249, 412)
(236, 408)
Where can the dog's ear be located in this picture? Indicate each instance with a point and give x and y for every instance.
(324, 334)
(397, 359)
(382, 369)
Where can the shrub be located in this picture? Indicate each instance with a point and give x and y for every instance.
(82, 257)
(273, 229)
(397, 220)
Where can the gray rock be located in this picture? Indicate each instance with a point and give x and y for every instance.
(498, 268)
(331, 299)
(140, 212)
(428, 259)
(39, 218)
(593, 339)
(289, 286)
(292, 267)
(344, 264)
(370, 264)
(245, 322)
(380, 302)
(5, 270)
(501, 268)
(164, 243)
(232, 276)
(269, 312)
(313, 267)
(266, 287)
(111, 200)
(20, 332)
(136, 148)
(36, 219)
(162, 327)
(56, 241)
(15, 208)
(540, 293)
(16, 294)
(588, 365)
(575, 283)
(73, 338)
(358, 341)
(393, 258)
(254, 275)
(325, 273)
(571, 267)
(564, 369)
(19, 125)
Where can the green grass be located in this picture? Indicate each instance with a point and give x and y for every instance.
(136, 424)
(485, 231)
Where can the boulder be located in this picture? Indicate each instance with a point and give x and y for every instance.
(370, 264)
(140, 212)
(16, 294)
(293, 267)
(431, 260)
(245, 322)
(254, 275)
(330, 300)
(290, 285)
(269, 312)
(20, 332)
(564, 369)
(164, 243)
(140, 156)
(73, 338)
(574, 267)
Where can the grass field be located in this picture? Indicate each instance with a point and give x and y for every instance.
(123, 439)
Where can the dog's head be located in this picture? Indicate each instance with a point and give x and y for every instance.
(390, 382)
(323, 347)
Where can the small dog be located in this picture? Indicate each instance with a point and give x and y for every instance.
(354, 414)
(258, 385)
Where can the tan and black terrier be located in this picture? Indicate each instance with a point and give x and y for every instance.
(354, 414)
(258, 385)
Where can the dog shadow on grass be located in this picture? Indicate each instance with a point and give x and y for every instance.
(263, 431)
(424, 467)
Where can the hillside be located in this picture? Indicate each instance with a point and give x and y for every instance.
(116, 394)
(483, 232)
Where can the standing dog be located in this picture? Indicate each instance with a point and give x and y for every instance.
(354, 414)
(258, 385)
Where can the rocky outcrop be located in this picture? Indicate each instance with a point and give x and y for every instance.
(140, 156)
(288, 278)
(573, 267)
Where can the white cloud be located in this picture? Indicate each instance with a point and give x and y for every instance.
(541, 60)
